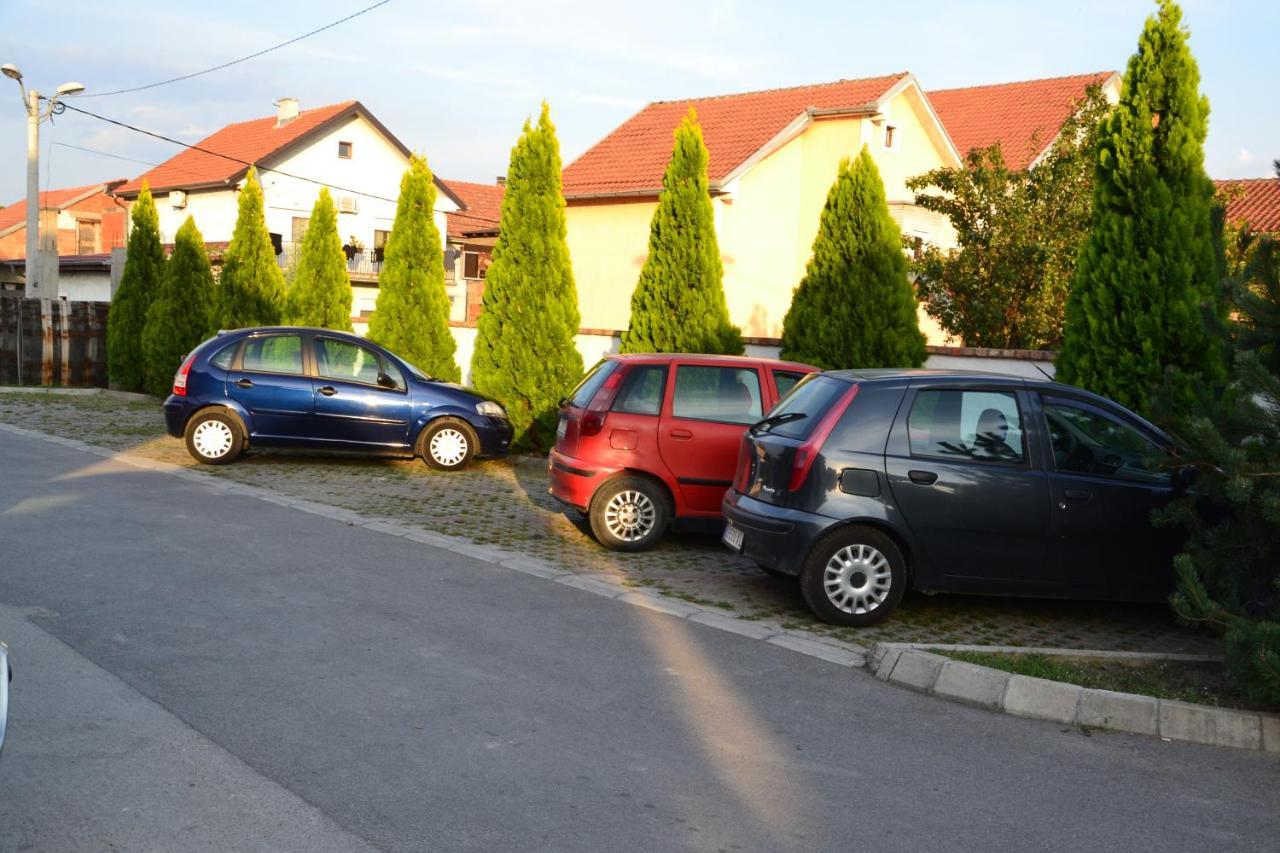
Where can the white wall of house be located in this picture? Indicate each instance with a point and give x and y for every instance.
(85, 285)
(375, 168)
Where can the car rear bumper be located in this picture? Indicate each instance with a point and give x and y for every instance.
(176, 412)
(574, 481)
(774, 536)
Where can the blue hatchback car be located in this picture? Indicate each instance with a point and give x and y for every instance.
(323, 389)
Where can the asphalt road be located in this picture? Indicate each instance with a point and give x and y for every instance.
(199, 670)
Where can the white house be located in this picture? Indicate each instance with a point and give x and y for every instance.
(342, 146)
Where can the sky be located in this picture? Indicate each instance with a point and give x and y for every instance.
(457, 80)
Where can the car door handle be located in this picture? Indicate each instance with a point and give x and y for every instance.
(682, 434)
(327, 391)
(245, 383)
(922, 478)
(1077, 495)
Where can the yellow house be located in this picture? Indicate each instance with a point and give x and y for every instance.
(773, 158)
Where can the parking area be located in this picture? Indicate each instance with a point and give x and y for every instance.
(504, 502)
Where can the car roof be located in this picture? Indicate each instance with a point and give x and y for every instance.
(250, 330)
(668, 357)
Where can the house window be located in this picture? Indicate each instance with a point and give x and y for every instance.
(380, 238)
(890, 132)
(471, 265)
(344, 150)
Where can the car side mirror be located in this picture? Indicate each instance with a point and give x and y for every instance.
(564, 403)
(385, 381)
(1185, 476)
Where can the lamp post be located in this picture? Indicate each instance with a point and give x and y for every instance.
(35, 115)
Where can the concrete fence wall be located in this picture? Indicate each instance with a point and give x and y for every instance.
(53, 342)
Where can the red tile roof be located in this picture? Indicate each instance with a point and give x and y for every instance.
(633, 158)
(1254, 202)
(483, 207)
(249, 141)
(1023, 117)
(16, 213)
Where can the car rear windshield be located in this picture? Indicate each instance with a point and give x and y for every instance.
(580, 397)
(811, 398)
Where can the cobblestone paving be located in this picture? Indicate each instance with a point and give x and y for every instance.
(505, 503)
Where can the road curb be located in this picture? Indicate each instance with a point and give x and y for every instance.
(1035, 698)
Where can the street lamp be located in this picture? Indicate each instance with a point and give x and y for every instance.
(35, 115)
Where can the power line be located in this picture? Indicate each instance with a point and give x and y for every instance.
(103, 153)
(241, 59)
(260, 168)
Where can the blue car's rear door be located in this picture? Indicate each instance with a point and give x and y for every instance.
(270, 380)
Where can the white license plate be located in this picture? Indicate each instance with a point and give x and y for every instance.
(562, 427)
(732, 536)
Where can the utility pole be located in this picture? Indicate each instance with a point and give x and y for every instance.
(31, 103)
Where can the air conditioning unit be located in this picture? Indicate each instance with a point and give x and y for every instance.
(177, 199)
(347, 204)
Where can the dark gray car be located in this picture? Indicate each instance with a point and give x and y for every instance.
(865, 483)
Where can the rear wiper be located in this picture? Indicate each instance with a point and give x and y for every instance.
(775, 420)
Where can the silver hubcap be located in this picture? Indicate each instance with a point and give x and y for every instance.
(630, 515)
(857, 579)
(212, 439)
(449, 447)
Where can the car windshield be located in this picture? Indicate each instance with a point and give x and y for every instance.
(805, 405)
(418, 372)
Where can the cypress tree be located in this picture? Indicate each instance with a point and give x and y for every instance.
(143, 268)
(180, 317)
(411, 317)
(854, 307)
(1148, 265)
(251, 291)
(679, 305)
(525, 354)
(320, 293)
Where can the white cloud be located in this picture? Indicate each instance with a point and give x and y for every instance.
(1245, 157)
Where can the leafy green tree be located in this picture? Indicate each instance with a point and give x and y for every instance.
(411, 317)
(180, 317)
(320, 291)
(854, 307)
(1149, 263)
(143, 268)
(1229, 573)
(1018, 234)
(679, 305)
(251, 285)
(525, 354)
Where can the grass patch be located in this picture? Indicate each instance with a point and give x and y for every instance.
(1204, 683)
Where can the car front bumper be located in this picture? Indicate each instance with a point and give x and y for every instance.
(494, 433)
(774, 536)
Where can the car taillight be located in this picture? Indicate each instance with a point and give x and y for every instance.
(807, 452)
(742, 480)
(593, 418)
(180, 380)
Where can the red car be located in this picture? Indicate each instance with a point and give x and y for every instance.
(647, 438)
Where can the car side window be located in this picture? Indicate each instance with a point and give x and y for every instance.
(222, 359)
(641, 392)
(726, 394)
(982, 426)
(349, 362)
(1088, 442)
(785, 380)
(273, 354)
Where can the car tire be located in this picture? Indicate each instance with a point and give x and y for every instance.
(629, 514)
(214, 438)
(854, 576)
(447, 444)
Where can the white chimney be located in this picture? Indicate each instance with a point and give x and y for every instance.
(286, 110)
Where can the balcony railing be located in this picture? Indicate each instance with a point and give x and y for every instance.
(361, 263)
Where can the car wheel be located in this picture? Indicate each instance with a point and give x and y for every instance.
(855, 577)
(214, 438)
(629, 514)
(447, 444)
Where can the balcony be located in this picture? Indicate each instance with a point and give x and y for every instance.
(362, 264)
